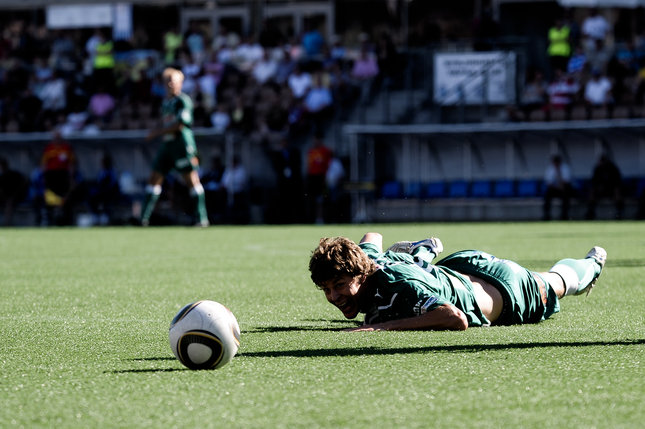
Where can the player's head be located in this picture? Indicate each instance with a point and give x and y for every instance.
(339, 268)
(173, 79)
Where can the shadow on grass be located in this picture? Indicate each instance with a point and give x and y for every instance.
(466, 348)
(145, 370)
(335, 326)
(367, 351)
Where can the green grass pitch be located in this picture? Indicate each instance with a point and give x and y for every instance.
(85, 315)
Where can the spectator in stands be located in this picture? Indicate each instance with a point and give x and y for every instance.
(172, 41)
(59, 169)
(101, 106)
(299, 82)
(318, 158)
(388, 61)
(600, 57)
(104, 62)
(29, 112)
(53, 95)
(312, 43)
(334, 180)
(63, 54)
(598, 93)
(235, 182)
(195, 44)
(563, 92)
(242, 116)
(247, 54)
(559, 49)
(558, 185)
(286, 204)
(13, 190)
(216, 201)
(220, 118)
(534, 97)
(623, 66)
(265, 69)
(364, 70)
(606, 182)
(75, 121)
(104, 193)
(285, 67)
(577, 63)
(318, 103)
(595, 28)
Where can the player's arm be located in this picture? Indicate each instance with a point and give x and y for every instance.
(375, 238)
(173, 128)
(443, 317)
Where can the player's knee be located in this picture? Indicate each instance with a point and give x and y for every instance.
(197, 189)
(153, 189)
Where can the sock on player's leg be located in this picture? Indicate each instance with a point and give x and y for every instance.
(199, 199)
(577, 274)
(152, 196)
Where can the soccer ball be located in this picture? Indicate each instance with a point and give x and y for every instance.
(204, 335)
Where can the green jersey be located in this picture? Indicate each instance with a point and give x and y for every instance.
(400, 289)
(179, 148)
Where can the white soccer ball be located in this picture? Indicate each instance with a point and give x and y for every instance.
(204, 335)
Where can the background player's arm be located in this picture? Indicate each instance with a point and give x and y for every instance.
(446, 316)
(375, 238)
(173, 128)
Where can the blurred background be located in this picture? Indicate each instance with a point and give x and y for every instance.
(405, 110)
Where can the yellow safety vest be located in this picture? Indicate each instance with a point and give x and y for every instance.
(104, 58)
(559, 42)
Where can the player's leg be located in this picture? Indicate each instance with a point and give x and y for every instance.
(579, 275)
(423, 251)
(152, 193)
(198, 196)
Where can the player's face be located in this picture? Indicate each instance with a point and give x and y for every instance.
(343, 293)
(173, 84)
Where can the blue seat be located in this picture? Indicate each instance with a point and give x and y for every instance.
(392, 190)
(435, 190)
(528, 188)
(640, 186)
(413, 190)
(458, 189)
(504, 189)
(481, 189)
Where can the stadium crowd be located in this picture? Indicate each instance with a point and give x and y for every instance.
(260, 83)
(591, 70)
(276, 90)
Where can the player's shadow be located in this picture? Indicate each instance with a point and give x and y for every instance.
(326, 325)
(462, 348)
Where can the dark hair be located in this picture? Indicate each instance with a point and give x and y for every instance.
(337, 257)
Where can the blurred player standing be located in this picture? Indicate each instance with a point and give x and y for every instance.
(178, 150)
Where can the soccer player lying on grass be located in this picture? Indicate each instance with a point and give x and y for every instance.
(400, 289)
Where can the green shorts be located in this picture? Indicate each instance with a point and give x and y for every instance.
(175, 155)
(525, 300)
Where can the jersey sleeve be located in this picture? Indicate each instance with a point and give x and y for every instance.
(183, 112)
(401, 294)
(370, 250)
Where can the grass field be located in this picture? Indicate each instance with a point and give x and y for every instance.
(85, 315)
